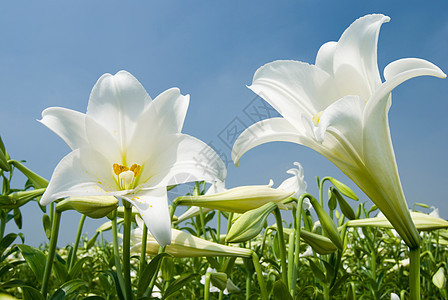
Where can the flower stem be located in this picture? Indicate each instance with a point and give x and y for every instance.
(248, 280)
(256, 262)
(298, 224)
(207, 286)
(75, 246)
(291, 268)
(116, 252)
(143, 250)
(414, 273)
(284, 271)
(51, 252)
(127, 251)
(201, 215)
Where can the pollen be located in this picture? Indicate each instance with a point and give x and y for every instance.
(316, 118)
(126, 176)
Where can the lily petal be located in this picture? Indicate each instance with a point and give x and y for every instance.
(67, 124)
(165, 115)
(355, 60)
(115, 102)
(296, 183)
(325, 56)
(153, 207)
(269, 130)
(293, 86)
(80, 173)
(178, 155)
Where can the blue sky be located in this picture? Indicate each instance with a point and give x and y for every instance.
(52, 53)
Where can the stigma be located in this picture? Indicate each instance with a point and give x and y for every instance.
(126, 176)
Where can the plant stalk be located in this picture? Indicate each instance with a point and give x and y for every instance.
(75, 246)
(51, 252)
(284, 271)
(414, 273)
(127, 251)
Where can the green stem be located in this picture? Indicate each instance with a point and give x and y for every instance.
(201, 215)
(291, 268)
(51, 253)
(278, 218)
(248, 280)
(75, 246)
(143, 250)
(3, 214)
(298, 225)
(116, 252)
(414, 273)
(218, 227)
(127, 250)
(261, 283)
(207, 286)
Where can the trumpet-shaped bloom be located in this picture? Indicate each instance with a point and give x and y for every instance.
(339, 107)
(129, 146)
(244, 198)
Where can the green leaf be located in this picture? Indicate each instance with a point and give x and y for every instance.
(281, 291)
(214, 263)
(117, 283)
(58, 295)
(149, 272)
(74, 272)
(46, 222)
(6, 241)
(167, 268)
(316, 270)
(60, 271)
(35, 260)
(345, 190)
(37, 180)
(178, 284)
(30, 293)
(72, 285)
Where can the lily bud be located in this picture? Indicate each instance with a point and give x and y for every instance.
(439, 278)
(239, 199)
(18, 199)
(319, 243)
(343, 189)
(422, 221)
(327, 223)
(186, 245)
(93, 207)
(250, 224)
(346, 209)
(219, 280)
(4, 162)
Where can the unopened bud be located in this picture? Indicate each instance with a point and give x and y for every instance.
(327, 223)
(219, 280)
(250, 224)
(439, 278)
(93, 207)
(239, 199)
(343, 189)
(319, 243)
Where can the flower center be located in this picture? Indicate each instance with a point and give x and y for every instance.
(126, 176)
(316, 118)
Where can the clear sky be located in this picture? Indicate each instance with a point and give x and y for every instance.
(52, 53)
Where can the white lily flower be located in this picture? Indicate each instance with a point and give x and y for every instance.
(339, 107)
(128, 146)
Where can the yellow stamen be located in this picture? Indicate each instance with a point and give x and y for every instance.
(126, 176)
(316, 118)
(136, 169)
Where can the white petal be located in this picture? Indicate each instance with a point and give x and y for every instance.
(216, 187)
(325, 56)
(82, 172)
(100, 139)
(294, 87)
(66, 123)
(115, 102)
(269, 130)
(355, 60)
(165, 115)
(181, 158)
(344, 117)
(153, 207)
(296, 183)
